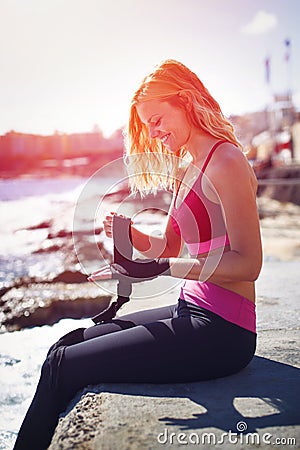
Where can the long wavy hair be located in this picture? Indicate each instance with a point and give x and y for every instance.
(151, 166)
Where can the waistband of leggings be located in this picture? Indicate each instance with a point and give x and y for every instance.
(225, 303)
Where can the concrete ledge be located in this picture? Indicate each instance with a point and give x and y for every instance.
(262, 400)
(131, 416)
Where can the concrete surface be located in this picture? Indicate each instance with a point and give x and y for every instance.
(262, 401)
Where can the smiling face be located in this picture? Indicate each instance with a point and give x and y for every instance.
(165, 122)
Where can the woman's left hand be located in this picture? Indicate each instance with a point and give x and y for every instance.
(102, 274)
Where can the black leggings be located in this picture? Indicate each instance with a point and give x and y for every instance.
(179, 343)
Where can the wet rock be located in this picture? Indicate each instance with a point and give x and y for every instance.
(60, 234)
(6, 360)
(5, 287)
(82, 233)
(87, 251)
(70, 249)
(45, 303)
(70, 234)
(69, 276)
(44, 224)
(119, 194)
(49, 247)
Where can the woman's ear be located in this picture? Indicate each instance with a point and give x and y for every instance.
(186, 99)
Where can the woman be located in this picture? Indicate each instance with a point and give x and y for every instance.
(210, 332)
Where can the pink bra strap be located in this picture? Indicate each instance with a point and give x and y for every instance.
(211, 153)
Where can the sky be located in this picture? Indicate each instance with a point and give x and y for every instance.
(68, 65)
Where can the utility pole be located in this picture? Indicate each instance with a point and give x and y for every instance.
(289, 94)
(287, 59)
(270, 104)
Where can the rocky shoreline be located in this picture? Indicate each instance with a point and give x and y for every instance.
(38, 304)
(37, 300)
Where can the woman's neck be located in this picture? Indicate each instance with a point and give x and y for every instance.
(199, 145)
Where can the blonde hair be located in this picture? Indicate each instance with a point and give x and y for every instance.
(150, 165)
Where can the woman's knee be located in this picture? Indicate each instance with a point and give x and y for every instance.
(71, 338)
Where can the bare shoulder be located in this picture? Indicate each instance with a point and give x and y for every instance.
(228, 155)
(230, 165)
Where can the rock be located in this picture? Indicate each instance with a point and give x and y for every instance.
(87, 251)
(144, 416)
(69, 276)
(47, 303)
(45, 224)
(79, 430)
(48, 247)
(5, 288)
(60, 234)
(69, 234)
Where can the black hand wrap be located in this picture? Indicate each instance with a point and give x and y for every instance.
(126, 270)
(122, 252)
(140, 269)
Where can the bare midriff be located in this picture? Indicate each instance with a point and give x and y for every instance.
(244, 288)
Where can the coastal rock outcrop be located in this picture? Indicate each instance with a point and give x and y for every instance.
(46, 303)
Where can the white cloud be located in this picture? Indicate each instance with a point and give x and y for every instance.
(261, 23)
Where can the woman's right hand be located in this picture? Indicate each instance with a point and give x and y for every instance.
(107, 224)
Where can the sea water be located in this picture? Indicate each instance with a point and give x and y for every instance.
(21, 356)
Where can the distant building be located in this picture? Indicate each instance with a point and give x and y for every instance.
(59, 145)
(282, 113)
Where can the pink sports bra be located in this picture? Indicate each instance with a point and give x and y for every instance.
(199, 220)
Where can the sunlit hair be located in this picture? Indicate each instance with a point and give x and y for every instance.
(150, 164)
